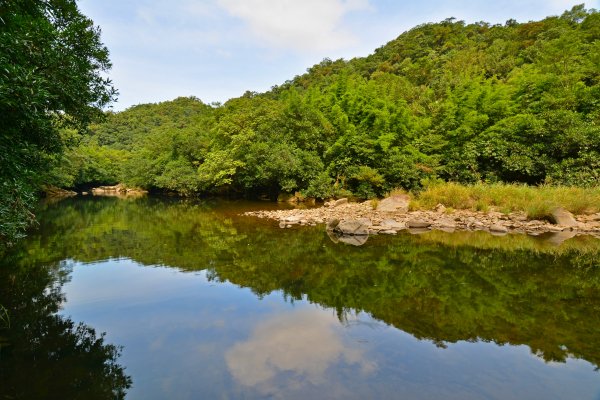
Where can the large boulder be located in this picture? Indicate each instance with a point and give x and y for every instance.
(352, 227)
(562, 217)
(396, 203)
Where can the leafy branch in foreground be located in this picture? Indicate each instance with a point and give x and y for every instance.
(51, 65)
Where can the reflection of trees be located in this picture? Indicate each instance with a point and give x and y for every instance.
(44, 355)
(471, 286)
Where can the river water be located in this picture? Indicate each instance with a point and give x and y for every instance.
(198, 302)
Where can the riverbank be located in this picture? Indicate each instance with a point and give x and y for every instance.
(365, 219)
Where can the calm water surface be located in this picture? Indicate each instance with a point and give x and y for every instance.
(199, 302)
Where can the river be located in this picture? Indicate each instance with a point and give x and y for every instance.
(197, 301)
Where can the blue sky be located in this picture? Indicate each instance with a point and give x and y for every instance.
(218, 49)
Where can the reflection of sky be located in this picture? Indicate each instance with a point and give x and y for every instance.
(187, 338)
(303, 343)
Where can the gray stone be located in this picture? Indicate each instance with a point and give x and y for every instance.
(366, 221)
(497, 228)
(562, 217)
(388, 232)
(293, 219)
(418, 224)
(352, 228)
(446, 223)
(392, 224)
(339, 202)
(397, 203)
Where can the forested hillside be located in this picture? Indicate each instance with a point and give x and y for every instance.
(518, 102)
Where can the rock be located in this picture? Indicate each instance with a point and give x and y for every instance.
(440, 208)
(365, 220)
(418, 224)
(339, 202)
(397, 203)
(477, 225)
(497, 228)
(446, 223)
(119, 190)
(332, 224)
(53, 191)
(518, 216)
(293, 219)
(388, 232)
(560, 216)
(352, 227)
(392, 224)
(84, 193)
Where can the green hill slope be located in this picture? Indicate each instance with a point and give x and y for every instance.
(518, 102)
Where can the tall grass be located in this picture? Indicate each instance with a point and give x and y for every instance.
(536, 201)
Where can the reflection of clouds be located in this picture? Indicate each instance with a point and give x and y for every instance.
(300, 346)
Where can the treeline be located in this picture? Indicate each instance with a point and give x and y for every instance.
(518, 102)
(52, 77)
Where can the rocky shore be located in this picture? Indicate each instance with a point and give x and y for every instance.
(119, 190)
(391, 215)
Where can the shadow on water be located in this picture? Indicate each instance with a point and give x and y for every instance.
(44, 355)
(541, 292)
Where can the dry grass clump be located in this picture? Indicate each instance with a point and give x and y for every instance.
(536, 201)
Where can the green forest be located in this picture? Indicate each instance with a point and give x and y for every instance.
(450, 101)
(447, 101)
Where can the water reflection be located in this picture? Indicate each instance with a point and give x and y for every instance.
(44, 355)
(539, 294)
(297, 347)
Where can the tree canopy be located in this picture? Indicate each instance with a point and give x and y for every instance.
(444, 101)
(51, 77)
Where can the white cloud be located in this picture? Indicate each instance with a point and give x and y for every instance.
(307, 25)
(303, 344)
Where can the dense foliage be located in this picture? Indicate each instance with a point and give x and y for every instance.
(517, 102)
(51, 64)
